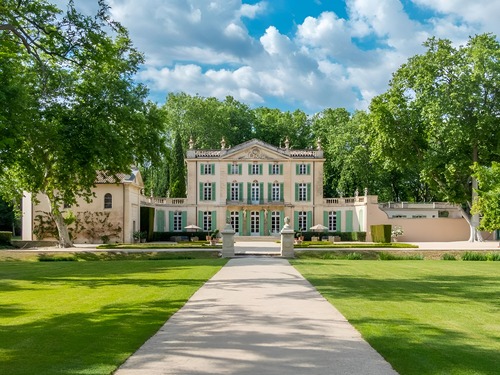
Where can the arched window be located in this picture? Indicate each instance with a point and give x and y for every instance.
(108, 201)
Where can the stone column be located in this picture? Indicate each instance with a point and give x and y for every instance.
(228, 241)
(287, 238)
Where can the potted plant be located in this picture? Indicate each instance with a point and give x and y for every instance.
(300, 236)
(396, 232)
(139, 236)
(213, 237)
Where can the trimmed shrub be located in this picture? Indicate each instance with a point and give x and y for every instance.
(354, 256)
(5, 238)
(381, 233)
(388, 256)
(344, 236)
(495, 257)
(447, 256)
(474, 256)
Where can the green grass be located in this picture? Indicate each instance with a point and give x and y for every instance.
(424, 317)
(88, 317)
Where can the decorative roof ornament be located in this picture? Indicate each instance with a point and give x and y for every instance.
(287, 143)
(318, 144)
(191, 143)
(223, 144)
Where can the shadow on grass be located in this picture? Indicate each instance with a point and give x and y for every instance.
(94, 342)
(433, 351)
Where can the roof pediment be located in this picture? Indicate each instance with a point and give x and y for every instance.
(255, 150)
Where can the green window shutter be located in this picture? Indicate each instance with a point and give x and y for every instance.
(200, 219)
(240, 192)
(201, 191)
(296, 192)
(282, 186)
(250, 168)
(228, 191)
(309, 192)
(360, 221)
(296, 220)
(308, 169)
(214, 220)
(269, 191)
(309, 220)
(240, 168)
(262, 227)
(297, 168)
(270, 169)
(240, 217)
(281, 169)
(260, 168)
(248, 225)
(202, 169)
(348, 221)
(325, 219)
(229, 169)
(269, 215)
(213, 168)
(183, 219)
(261, 192)
(160, 220)
(338, 215)
(214, 195)
(249, 192)
(170, 221)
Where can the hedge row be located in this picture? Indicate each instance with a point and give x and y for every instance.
(167, 236)
(344, 236)
(5, 238)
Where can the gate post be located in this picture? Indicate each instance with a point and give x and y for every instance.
(287, 235)
(228, 241)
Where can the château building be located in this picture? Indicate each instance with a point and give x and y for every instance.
(254, 186)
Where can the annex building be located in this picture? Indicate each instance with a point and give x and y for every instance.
(253, 186)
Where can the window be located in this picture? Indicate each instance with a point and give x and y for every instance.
(177, 219)
(302, 220)
(302, 169)
(255, 169)
(207, 169)
(207, 191)
(235, 191)
(234, 169)
(332, 221)
(207, 221)
(235, 221)
(302, 192)
(108, 201)
(275, 192)
(275, 221)
(275, 169)
(255, 192)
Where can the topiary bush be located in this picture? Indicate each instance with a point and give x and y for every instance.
(5, 238)
(381, 233)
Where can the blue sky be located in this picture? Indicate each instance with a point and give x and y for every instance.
(290, 54)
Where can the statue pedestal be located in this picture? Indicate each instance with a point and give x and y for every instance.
(287, 238)
(228, 241)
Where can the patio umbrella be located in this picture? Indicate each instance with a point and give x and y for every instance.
(192, 227)
(318, 227)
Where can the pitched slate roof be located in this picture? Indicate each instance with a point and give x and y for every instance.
(104, 178)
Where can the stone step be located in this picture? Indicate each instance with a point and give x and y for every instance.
(257, 238)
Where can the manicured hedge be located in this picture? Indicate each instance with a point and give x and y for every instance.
(5, 238)
(167, 236)
(344, 236)
(381, 233)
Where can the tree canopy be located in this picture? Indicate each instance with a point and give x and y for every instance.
(71, 105)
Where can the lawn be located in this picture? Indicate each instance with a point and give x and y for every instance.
(87, 317)
(424, 317)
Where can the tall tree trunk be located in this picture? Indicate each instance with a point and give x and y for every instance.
(62, 228)
(475, 234)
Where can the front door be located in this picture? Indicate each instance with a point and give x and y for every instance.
(254, 223)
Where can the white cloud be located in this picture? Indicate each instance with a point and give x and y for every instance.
(204, 47)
